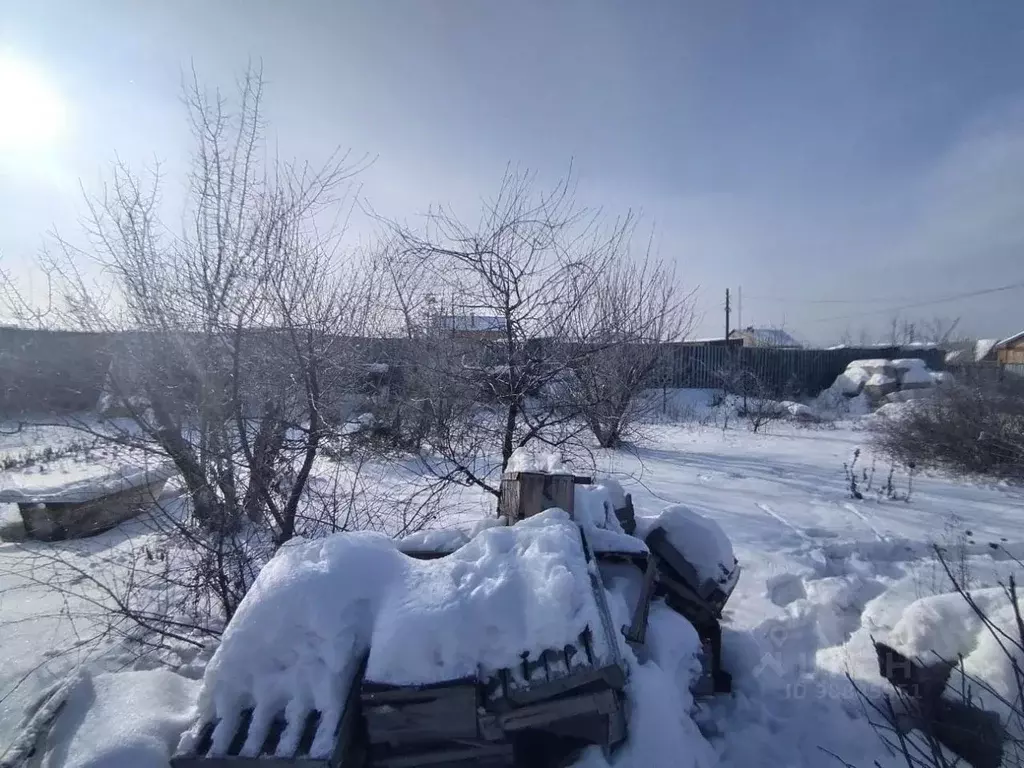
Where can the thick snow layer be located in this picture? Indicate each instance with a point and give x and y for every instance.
(918, 376)
(880, 380)
(909, 364)
(318, 606)
(942, 378)
(91, 482)
(851, 381)
(122, 720)
(982, 348)
(509, 591)
(528, 460)
(699, 539)
(874, 365)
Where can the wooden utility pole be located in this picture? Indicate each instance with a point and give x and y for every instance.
(727, 310)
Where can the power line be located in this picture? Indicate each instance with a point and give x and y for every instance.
(929, 302)
(791, 300)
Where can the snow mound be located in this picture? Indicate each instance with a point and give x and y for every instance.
(913, 372)
(317, 607)
(121, 720)
(510, 590)
(851, 381)
(871, 366)
(946, 626)
(699, 539)
(880, 380)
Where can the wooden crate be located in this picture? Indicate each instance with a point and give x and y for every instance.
(525, 494)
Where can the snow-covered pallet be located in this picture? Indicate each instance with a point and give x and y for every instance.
(554, 700)
(278, 744)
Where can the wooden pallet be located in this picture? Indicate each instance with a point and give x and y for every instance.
(348, 751)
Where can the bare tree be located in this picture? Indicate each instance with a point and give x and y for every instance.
(492, 365)
(234, 337)
(632, 309)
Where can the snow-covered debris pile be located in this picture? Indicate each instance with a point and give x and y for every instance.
(700, 540)
(868, 383)
(318, 607)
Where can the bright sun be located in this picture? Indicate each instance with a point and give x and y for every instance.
(32, 112)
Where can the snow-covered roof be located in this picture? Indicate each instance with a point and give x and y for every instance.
(1010, 340)
(982, 347)
(470, 322)
(768, 337)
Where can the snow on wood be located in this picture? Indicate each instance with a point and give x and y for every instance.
(508, 591)
(94, 482)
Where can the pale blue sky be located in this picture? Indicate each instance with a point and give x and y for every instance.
(870, 153)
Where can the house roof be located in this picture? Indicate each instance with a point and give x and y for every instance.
(1010, 340)
(768, 337)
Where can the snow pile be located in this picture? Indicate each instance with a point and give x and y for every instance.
(946, 626)
(851, 381)
(511, 590)
(316, 607)
(122, 720)
(871, 366)
(699, 539)
(876, 381)
(912, 373)
(881, 380)
(531, 460)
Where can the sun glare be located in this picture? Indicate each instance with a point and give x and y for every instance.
(32, 112)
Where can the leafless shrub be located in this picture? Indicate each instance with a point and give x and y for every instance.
(966, 430)
(632, 309)
(754, 400)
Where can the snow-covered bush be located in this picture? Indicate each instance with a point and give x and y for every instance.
(956, 665)
(965, 430)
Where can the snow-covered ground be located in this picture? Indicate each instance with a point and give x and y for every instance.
(822, 573)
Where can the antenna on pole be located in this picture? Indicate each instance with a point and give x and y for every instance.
(727, 309)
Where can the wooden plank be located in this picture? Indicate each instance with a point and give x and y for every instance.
(611, 676)
(409, 715)
(545, 713)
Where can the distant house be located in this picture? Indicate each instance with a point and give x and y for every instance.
(470, 326)
(1010, 351)
(765, 337)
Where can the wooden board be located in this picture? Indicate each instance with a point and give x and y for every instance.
(525, 494)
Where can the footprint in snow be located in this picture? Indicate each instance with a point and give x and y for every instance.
(785, 589)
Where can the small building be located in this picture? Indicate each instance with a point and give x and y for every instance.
(1010, 351)
(765, 337)
(481, 327)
